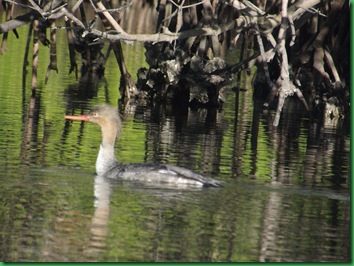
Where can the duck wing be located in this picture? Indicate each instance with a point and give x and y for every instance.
(189, 174)
(161, 173)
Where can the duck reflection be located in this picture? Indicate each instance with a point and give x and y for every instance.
(99, 227)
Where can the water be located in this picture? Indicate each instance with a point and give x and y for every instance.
(286, 198)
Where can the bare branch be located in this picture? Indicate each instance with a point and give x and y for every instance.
(263, 55)
(76, 6)
(167, 36)
(285, 88)
(188, 6)
(109, 17)
(19, 4)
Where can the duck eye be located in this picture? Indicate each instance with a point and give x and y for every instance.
(94, 114)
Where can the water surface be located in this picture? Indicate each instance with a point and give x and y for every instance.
(286, 194)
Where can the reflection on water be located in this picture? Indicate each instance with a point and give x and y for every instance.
(286, 196)
(279, 204)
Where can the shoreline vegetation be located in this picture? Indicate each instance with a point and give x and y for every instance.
(299, 48)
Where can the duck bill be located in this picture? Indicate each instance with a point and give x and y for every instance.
(77, 117)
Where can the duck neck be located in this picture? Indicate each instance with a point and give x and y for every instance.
(106, 158)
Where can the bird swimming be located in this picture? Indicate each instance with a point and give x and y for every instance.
(108, 118)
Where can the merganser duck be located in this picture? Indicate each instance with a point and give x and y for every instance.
(110, 122)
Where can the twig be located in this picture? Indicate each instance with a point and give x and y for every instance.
(167, 36)
(284, 83)
(76, 6)
(180, 7)
(109, 17)
(53, 53)
(253, 7)
(71, 45)
(292, 29)
(328, 58)
(35, 56)
(301, 97)
(78, 22)
(19, 4)
(264, 59)
(187, 6)
(38, 9)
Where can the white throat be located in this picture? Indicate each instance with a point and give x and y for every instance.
(105, 159)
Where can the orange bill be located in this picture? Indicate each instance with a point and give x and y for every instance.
(77, 117)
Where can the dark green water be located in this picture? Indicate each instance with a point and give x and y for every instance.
(286, 194)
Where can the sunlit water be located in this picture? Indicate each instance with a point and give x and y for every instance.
(286, 195)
